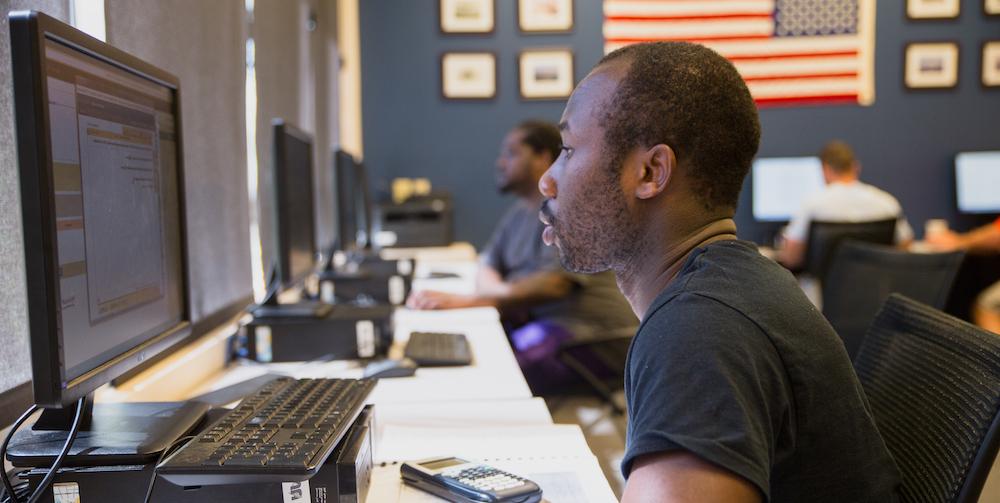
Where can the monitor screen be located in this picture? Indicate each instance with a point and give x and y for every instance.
(294, 183)
(781, 184)
(977, 182)
(346, 182)
(102, 210)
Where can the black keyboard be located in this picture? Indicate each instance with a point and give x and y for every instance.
(282, 433)
(431, 349)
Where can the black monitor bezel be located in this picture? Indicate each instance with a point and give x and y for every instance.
(28, 31)
(345, 175)
(958, 188)
(280, 129)
(364, 189)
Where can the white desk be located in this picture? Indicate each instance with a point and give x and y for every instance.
(484, 411)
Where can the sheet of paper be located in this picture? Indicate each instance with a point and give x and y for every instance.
(557, 441)
(448, 415)
(562, 481)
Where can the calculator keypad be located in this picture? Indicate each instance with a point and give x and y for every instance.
(485, 478)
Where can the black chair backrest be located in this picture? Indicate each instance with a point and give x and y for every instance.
(824, 237)
(861, 276)
(933, 382)
(600, 363)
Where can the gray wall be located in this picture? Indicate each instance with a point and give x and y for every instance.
(906, 141)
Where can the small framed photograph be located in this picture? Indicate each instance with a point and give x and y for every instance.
(545, 16)
(991, 7)
(466, 16)
(933, 9)
(469, 75)
(991, 63)
(546, 74)
(931, 65)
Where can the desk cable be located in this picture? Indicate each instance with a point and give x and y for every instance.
(47, 480)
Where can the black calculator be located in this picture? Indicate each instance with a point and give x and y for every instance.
(463, 481)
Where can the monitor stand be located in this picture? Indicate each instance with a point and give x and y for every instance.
(128, 433)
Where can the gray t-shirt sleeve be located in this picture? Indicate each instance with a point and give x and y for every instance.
(492, 254)
(704, 379)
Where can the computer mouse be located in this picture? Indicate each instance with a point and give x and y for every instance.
(404, 367)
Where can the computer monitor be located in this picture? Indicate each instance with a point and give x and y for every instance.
(977, 178)
(294, 217)
(781, 184)
(295, 227)
(354, 213)
(102, 204)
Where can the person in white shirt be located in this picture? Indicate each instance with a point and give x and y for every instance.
(845, 199)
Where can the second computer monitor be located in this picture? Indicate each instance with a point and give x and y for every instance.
(977, 182)
(781, 184)
(293, 178)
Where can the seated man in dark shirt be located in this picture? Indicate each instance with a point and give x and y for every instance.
(738, 390)
(543, 305)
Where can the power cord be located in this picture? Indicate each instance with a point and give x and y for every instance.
(152, 477)
(3, 451)
(47, 480)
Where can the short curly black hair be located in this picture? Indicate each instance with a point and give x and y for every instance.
(541, 136)
(692, 99)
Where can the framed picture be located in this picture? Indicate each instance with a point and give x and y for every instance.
(991, 7)
(466, 16)
(933, 9)
(931, 65)
(546, 74)
(469, 75)
(991, 63)
(545, 15)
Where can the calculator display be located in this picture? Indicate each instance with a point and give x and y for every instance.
(442, 463)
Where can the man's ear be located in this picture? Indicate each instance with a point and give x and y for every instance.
(657, 165)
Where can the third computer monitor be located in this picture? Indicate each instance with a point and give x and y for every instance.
(354, 205)
(781, 184)
(293, 178)
(977, 182)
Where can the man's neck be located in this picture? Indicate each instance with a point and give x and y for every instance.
(844, 180)
(656, 263)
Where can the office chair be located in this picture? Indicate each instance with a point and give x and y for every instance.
(933, 383)
(824, 237)
(600, 365)
(861, 276)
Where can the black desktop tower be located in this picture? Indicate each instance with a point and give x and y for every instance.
(343, 479)
(364, 285)
(348, 332)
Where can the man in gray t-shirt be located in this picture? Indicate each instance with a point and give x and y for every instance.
(542, 304)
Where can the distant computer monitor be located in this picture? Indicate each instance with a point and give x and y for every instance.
(99, 149)
(351, 199)
(977, 182)
(296, 228)
(781, 184)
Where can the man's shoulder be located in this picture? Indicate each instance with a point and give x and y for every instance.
(730, 286)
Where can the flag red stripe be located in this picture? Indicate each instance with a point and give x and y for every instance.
(791, 55)
(808, 100)
(799, 76)
(685, 39)
(687, 17)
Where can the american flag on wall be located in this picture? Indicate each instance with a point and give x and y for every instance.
(790, 52)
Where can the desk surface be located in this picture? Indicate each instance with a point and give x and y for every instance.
(484, 411)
